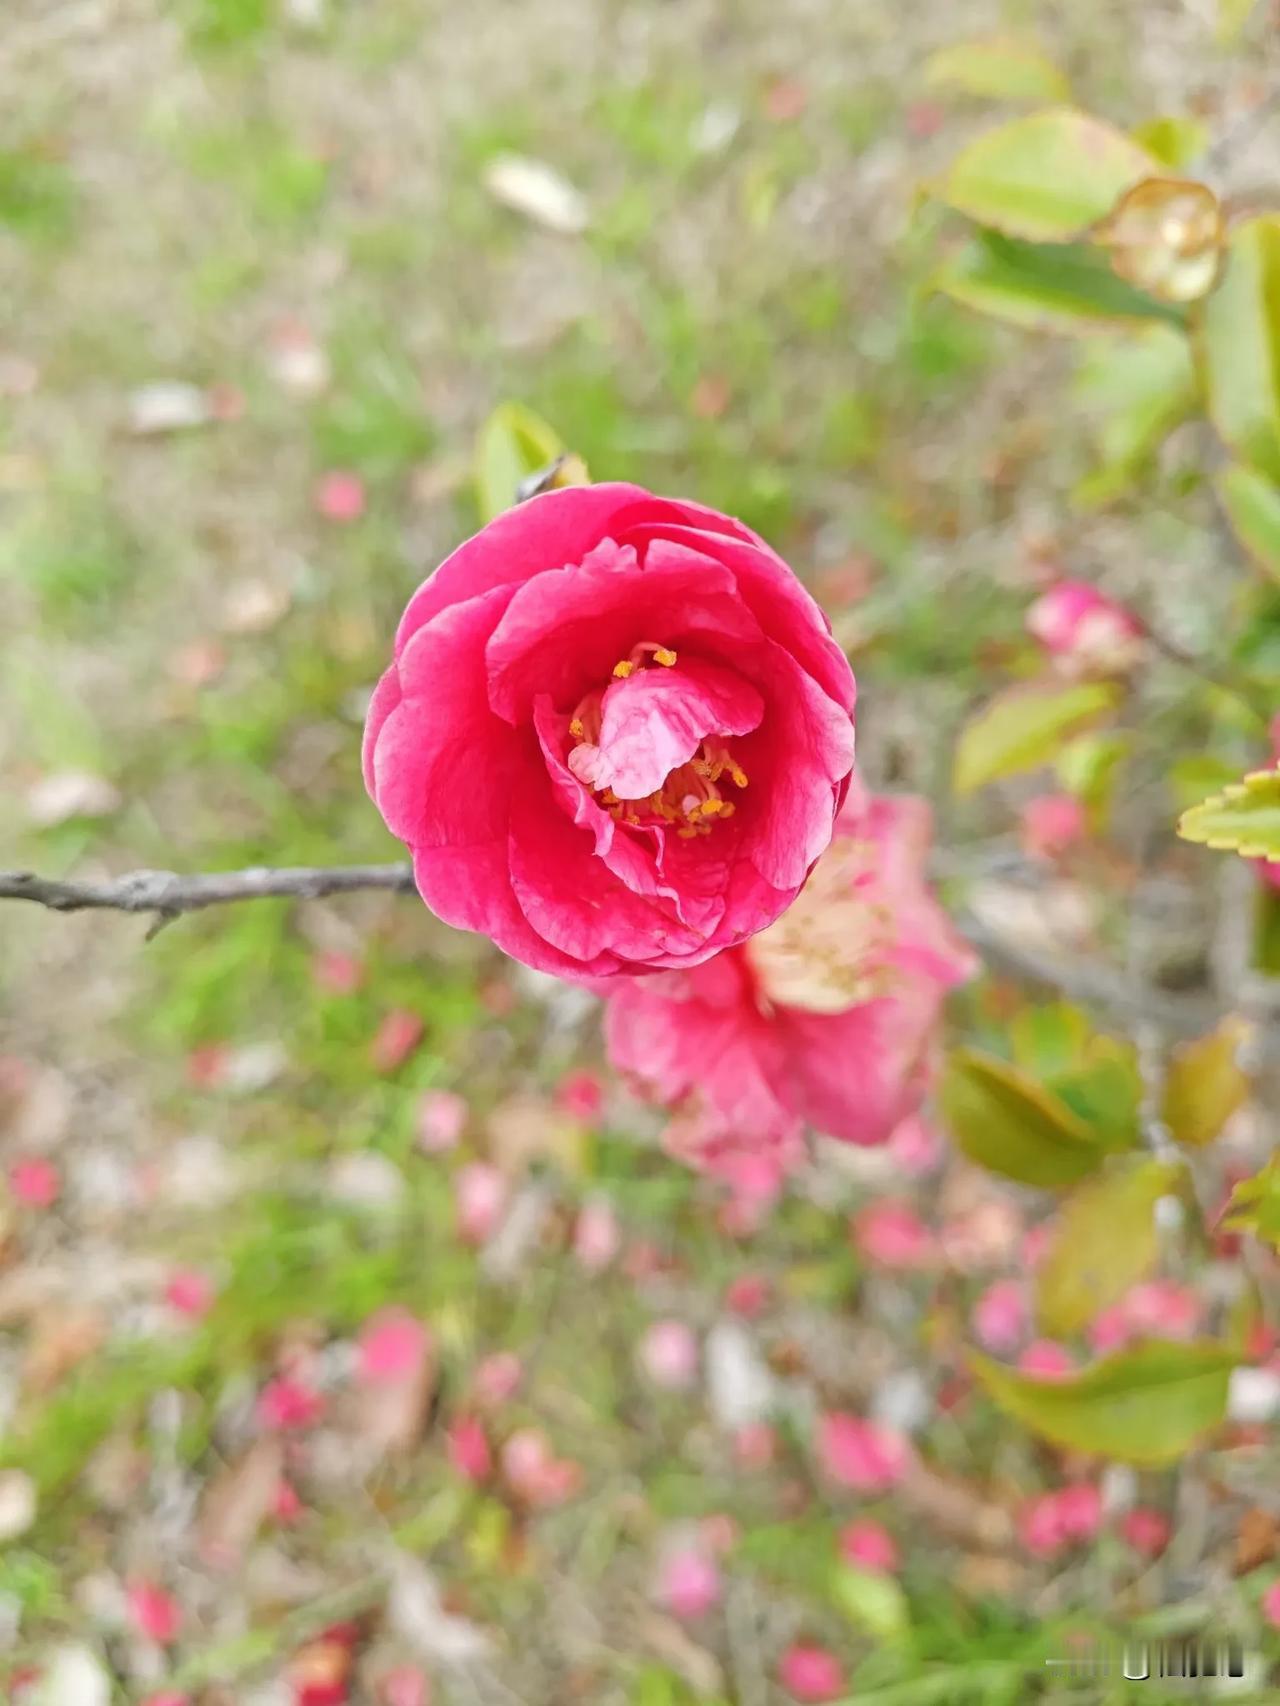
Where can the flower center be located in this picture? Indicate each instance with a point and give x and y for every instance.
(831, 949)
(690, 798)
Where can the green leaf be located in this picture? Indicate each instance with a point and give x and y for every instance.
(999, 68)
(1145, 1405)
(1244, 818)
(1066, 287)
(874, 1602)
(1241, 345)
(1135, 390)
(1046, 177)
(1255, 1203)
(1233, 15)
(1197, 774)
(1252, 505)
(1105, 1090)
(1006, 1122)
(1104, 1242)
(511, 445)
(1024, 727)
(1050, 1039)
(1205, 1085)
(1174, 139)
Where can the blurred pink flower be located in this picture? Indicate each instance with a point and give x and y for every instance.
(1045, 1359)
(1271, 1604)
(392, 1347)
(167, 1697)
(1157, 1309)
(442, 1114)
(596, 1236)
(580, 1094)
(668, 1354)
(286, 1507)
(1001, 1316)
(337, 974)
(406, 1685)
(1146, 1530)
(617, 667)
(869, 1546)
(863, 1455)
(892, 1235)
(534, 1473)
(755, 1445)
(480, 1200)
(396, 1038)
(1052, 1521)
(153, 1613)
(35, 1182)
(1050, 824)
(826, 1018)
(811, 1673)
(1040, 1527)
(287, 1403)
(688, 1583)
(497, 1379)
(340, 496)
(1085, 630)
(1080, 1510)
(189, 1292)
(748, 1295)
(1036, 1244)
(468, 1448)
(916, 1145)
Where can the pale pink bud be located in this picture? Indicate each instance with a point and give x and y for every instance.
(468, 1449)
(861, 1454)
(916, 1145)
(668, 1354)
(892, 1235)
(404, 1686)
(340, 496)
(580, 1095)
(337, 974)
(1080, 1510)
(748, 1295)
(810, 1673)
(1146, 1530)
(480, 1198)
(1001, 1316)
(596, 1238)
(442, 1114)
(688, 1583)
(189, 1292)
(755, 1445)
(392, 1347)
(35, 1182)
(395, 1040)
(497, 1379)
(1077, 623)
(1045, 1359)
(1050, 824)
(1040, 1526)
(286, 1404)
(1271, 1604)
(869, 1546)
(154, 1613)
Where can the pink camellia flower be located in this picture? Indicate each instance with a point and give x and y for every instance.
(1089, 633)
(189, 1292)
(580, 1094)
(1271, 1604)
(827, 1017)
(1045, 1359)
(892, 1235)
(1080, 1510)
(468, 1448)
(35, 1182)
(688, 1583)
(860, 1454)
(441, 1116)
(480, 1199)
(287, 1404)
(869, 1546)
(1055, 1520)
(811, 1673)
(1001, 1316)
(668, 1354)
(154, 1613)
(596, 1235)
(392, 1347)
(579, 698)
(1146, 1530)
(1050, 824)
(340, 496)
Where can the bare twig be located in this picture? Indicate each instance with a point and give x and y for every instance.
(167, 894)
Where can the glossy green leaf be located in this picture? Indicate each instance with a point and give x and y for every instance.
(1105, 1241)
(999, 68)
(511, 445)
(1146, 1405)
(1244, 818)
(1205, 1084)
(1255, 1203)
(1024, 727)
(1049, 1039)
(1105, 1090)
(1252, 505)
(1046, 177)
(1068, 287)
(1196, 774)
(1007, 1122)
(1135, 391)
(1241, 345)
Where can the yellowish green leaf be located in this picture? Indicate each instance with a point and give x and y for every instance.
(1233, 15)
(1252, 505)
(1241, 345)
(1255, 1203)
(1145, 1405)
(1068, 288)
(512, 445)
(1175, 139)
(1025, 727)
(874, 1602)
(1007, 1122)
(1000, 68)
(1135, 390)
(1104, 1242)
(1047, 177)
(1205, 1084)
(1244, 818)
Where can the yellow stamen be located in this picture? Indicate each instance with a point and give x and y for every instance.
(665, 656)
(576, 728)
(622, 669)
(739, 775)
(687, 833)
